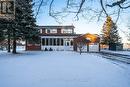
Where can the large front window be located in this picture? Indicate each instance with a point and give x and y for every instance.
(52, 41)
(56, 42)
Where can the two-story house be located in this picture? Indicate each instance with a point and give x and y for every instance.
(57, 37)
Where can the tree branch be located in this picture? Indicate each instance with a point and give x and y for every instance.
(39, 8)
(101, 2)
(80, 7)
(68, 1)
(50, 8)
(118, 3)
(118, 15)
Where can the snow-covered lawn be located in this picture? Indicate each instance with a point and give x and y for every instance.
(61, 69)
(117, 52)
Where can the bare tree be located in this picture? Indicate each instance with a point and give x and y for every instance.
(90, 9)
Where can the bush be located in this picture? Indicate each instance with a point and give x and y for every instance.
(46, 49)
(50, 49)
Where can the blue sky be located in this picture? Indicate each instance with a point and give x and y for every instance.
(82, 25)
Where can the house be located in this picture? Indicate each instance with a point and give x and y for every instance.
(62, 38)
(56, 38)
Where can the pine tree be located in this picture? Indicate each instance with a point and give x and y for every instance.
(5, 29)
(30, 31)
(109, 32)
(114, 35)
(24, 23)
(1, 33)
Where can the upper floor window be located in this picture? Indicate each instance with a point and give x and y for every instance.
(48, 31)
(67, 31)
(51, 30)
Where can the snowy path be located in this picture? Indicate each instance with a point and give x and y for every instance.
(62, 69)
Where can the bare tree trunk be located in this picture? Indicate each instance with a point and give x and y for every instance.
(14, 41)
(99, 47)
(87, 47)
(26, 48)
(14, 46)
(8, 43)
(80, 50)
(8, 40)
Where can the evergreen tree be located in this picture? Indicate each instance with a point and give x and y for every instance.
(109, 32)
(30, 32)
(114, 35)
(1, 34)
(3, 24)
(5, 29)
(24, 26)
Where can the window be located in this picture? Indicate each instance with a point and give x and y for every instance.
(54, 42)
(62, 42)
(67, 31)
(71, 43)
(51, 31)
(58, 41)
(43, 41)
(50, 41)
(67, 43)
(48, 31)
(46, 41)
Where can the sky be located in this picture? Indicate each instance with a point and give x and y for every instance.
(82, 25)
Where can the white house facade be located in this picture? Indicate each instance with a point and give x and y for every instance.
(57, 38)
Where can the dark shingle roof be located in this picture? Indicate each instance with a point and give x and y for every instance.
(55, 27)
(60, 34)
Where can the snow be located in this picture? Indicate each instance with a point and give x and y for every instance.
(61, 69)
(117, 52)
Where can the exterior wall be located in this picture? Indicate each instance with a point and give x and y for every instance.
(60, 29)
(58, 48)
(66, 44)
(33, 47)
(92, 48)
(66, 38)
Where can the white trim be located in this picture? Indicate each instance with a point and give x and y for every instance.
(58, 48)
(58, 36)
